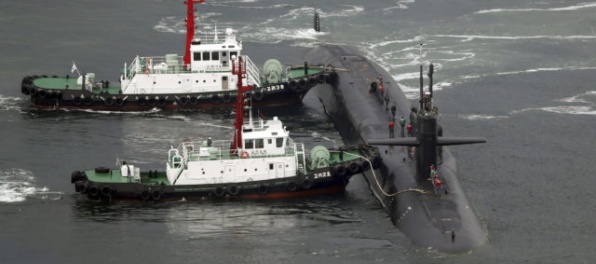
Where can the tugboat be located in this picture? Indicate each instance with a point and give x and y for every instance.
(200, 79)
(261, 161)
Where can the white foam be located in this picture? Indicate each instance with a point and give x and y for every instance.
(16, 185)
(277, 35)
(564, 109)
(534, 70)
(482, 117)
(152, 111)
(554, 9)
(578, 98)
(10, 103)
(466, 38)
(574, 110)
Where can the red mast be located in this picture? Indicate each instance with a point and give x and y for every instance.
(239, 69)
(190, 28)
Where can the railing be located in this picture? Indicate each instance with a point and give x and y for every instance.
(253, 72)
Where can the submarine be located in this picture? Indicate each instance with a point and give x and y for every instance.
(417, 182)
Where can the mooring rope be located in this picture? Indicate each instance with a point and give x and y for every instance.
(379, 185)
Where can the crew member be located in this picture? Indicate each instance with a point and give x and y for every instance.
(438, 184)
(402, 124)
(409, 128)
(391, 125)
(393, 109)
(413, 113)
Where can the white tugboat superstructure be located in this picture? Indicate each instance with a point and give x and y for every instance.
(261, 161)
(201, 78)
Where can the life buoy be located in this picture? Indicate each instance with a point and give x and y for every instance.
(193, 100)
(291, 186)
(321, 78)
(244, 155)
(93, 191)
(42, 93)
(293, 84)
(307, 184)
(77, 101)
(302, 83)
(258, 94)
(339, 170)
(354, 167)
(262, 189)
(156, 195)
(82, 188)
(234, 190)
(119, 101)
(106, 191)
(183, 100)
(145, 195)
(109, 101)
(219, 192)
(226, 98)
(87, 101)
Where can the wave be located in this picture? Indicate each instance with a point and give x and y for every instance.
(482, 117)
(574, 110)
(578, 98)
(467, 38)
(9, 103)
(16, 185)
(554, 9)
(277, 35)
(103, 112)
(477, 76)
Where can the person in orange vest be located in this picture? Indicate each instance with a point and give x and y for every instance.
(391, 125)
(438, 184)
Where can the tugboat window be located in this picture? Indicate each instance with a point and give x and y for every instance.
(215, 55)
(279, 142)
(206, 55)
(248, 144)
(223, 53)
(233, 54)
(196, 56)
(270, 166)
(259, 143)
(269, 141)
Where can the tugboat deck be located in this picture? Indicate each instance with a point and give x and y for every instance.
(60, 83)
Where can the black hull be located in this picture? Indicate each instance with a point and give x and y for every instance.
(280, 94)
(312, 184)
(447, 223)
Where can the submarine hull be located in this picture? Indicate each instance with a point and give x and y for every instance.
(446, 221)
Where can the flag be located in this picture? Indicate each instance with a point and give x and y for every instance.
(74, 68)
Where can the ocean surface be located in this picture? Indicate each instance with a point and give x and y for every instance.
(519, 73)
